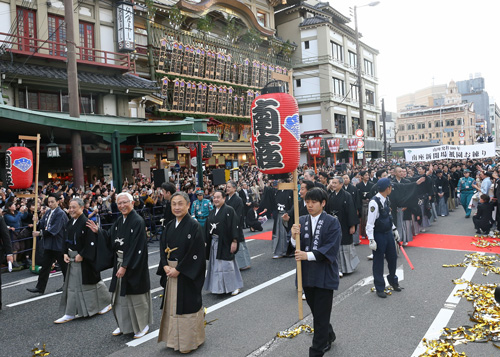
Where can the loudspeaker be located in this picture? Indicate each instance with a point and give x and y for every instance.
(218, 177)
(160, 176)
(341, 167)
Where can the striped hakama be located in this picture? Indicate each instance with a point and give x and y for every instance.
(82, 299)
(223, 276)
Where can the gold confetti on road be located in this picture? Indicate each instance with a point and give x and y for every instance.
(486, 314)
(37, 352)
(291, 333)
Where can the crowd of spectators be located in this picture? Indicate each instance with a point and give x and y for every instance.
(150, 201)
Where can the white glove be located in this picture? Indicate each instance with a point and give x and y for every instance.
(373, 245)
(397, 238)
(458, 194)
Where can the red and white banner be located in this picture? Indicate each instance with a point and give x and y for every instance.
(352, 144)
(314, 146)
(333, 145)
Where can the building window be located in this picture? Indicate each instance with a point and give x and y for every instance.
(370, 97)
(261, 18)
(340, 124)
(300, 119)
(26, 29)
(354, 92)
(306, 45)
(337, 51)
(370, 128)
(51, 101)
(355, 124)
(368, 67)
(57, 33)
(459, 121)
(338, 87)
(86, 41)
(429, 125)
(353, 60)
(298, 83)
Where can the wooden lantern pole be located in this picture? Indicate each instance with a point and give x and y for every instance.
(35, 196)
(295, 188)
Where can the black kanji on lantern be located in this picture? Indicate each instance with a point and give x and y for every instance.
(266, 130)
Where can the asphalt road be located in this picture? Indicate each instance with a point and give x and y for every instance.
(246, 325)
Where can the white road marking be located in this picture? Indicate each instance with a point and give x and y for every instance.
(33, 299)
(27, 280)
(57, 293)
(308, 320)
(154, 334)
(256, 256)
(444, 315)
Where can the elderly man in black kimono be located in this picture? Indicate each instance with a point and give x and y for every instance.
(52, 229)
(341, 205)
(182, 264)
(130, 285)
(84, 293)
(222, 238)
(320, 236)
(234, 200)
(5, 248)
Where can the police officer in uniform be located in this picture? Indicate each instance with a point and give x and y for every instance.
(382, 233)
(201, 208)
(465, 190)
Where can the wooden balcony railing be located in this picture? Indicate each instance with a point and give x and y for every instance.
(57, 50)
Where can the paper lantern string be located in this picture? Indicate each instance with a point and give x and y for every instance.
(292, 332)
(39, 352)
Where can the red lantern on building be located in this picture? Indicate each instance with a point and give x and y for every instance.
(19, 165)
(314, 148)
(333, 146)
(275, 133)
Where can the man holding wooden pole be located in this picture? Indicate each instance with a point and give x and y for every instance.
(320, 236)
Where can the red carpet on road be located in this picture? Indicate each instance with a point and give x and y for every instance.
(262, 236)
(445, 241)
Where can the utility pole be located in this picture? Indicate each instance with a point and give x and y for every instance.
(73, 101)
(385, 134)
(360, 81)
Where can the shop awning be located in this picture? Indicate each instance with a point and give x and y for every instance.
(105, 125)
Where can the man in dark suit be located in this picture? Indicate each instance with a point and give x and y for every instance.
(52, 230)
(254, 222)
(5, 248)
(245, 196)
(233, 200)
(483, 219)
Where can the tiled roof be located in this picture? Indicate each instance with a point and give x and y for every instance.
(314, 21)
(53, 73)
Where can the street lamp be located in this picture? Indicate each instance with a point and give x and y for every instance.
(358, 59)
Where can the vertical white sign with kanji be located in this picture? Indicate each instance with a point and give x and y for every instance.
(125, 27)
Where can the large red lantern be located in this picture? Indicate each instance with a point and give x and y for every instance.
(276, 133)
(19, 165)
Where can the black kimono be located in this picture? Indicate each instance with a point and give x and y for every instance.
(187, 240)
(81, 239)
(237, 204)
(342, 206)
(130, 237)
(225, 225)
